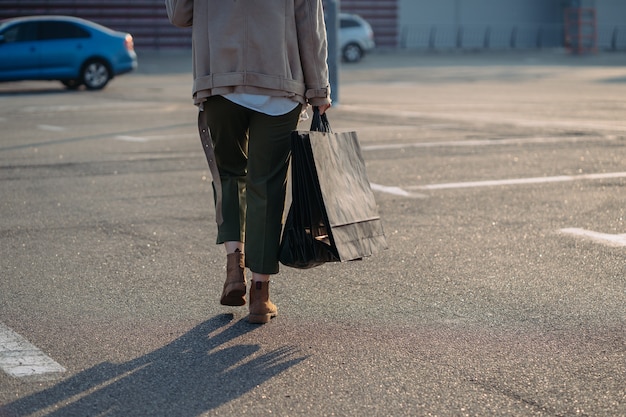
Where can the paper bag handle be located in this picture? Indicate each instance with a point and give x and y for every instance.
(319, 123)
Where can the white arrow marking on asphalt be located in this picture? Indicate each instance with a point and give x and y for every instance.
(617, 241)
(19, 358)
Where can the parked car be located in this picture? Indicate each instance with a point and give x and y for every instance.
(356, 37)
(68, 49)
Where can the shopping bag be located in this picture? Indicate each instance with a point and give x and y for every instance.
(333, 215)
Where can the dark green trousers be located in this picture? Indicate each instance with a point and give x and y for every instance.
(252, 152)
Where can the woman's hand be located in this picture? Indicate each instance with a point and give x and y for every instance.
(323, 108)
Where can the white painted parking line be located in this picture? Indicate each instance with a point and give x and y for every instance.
(131, 138)
(603, 238)
(517, 181)
(96, 106)
(395, 191)
(488, 142)
(51, 128)
(142, 139)
(20, 359)
(487, 117)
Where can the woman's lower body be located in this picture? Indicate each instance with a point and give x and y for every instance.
(252, 152)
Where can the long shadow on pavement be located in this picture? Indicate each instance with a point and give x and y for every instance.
(184, 378)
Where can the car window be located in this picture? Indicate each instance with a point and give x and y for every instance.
(349, 23)
(21, 32)
(61, 30)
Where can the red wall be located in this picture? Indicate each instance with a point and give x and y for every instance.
(147, 20)
(381, 14)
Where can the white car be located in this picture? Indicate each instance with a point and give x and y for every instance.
(356, 37)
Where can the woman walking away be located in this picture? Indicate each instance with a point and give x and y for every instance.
(256, 65)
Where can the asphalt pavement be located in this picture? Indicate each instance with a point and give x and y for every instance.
(500, 179)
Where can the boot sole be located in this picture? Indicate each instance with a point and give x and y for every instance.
(261, 318)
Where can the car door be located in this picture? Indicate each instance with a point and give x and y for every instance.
(64, 49)
(19, 52)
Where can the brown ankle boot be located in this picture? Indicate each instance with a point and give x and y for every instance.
(261, 308)
(234, 293)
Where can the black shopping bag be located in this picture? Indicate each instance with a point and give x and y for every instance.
(333, 215)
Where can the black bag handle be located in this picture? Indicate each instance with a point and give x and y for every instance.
(319, 123)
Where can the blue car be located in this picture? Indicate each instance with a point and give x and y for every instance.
(68, 49)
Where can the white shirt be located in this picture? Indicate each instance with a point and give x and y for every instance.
(272, 106)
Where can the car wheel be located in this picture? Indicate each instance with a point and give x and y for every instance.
(95, 74)
(352, 53)
(71, 84)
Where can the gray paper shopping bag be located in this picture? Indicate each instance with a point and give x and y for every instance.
(333, 214)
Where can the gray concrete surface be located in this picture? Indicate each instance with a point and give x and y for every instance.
(481, 306)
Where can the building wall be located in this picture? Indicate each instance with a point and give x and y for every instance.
(478, 24)
(502, 24)
(381, 14)
(611, 12)
(413, 24)
(476, 11)
(611, 17)
(146, 20)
